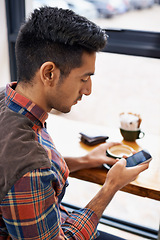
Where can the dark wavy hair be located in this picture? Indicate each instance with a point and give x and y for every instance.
(57, 35)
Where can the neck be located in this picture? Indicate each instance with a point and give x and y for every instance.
(33, 92)
(25, 90)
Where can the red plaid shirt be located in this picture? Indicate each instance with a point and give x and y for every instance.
(31, 209)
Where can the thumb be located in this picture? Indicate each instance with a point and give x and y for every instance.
(122, 161)
(142, 167)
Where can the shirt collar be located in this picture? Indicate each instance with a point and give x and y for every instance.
(24, 106)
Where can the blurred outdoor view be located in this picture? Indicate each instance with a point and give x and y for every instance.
(112, 13)
(121, 83)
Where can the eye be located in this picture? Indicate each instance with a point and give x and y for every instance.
(85, 80)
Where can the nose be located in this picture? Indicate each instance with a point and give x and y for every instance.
(87, 88)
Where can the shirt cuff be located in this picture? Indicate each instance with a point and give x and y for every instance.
(82, 224)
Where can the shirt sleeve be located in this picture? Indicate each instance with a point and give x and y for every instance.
(31, 210)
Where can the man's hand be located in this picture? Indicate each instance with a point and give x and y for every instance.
(117, 177)
(120, 175)
(95, 158)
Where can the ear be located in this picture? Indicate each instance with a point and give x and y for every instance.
(49, 73)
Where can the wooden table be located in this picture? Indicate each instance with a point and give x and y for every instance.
(65, 134)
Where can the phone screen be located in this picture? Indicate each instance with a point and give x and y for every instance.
(138, 158)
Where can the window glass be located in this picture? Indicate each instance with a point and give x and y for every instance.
(126, 14)
(139, 15)
(122, 83)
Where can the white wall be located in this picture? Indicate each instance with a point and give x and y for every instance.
(4, 55)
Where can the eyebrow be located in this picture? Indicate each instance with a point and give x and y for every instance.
(88, 74)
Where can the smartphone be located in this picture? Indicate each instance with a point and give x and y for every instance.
(138, 158)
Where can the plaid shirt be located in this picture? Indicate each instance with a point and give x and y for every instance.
(31, 209)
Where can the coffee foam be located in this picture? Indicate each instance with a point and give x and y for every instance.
(129, 121)
(120, 150)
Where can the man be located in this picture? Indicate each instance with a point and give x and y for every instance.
(55, 52)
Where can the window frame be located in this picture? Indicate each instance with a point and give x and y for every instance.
(132, 42)
(15, 13)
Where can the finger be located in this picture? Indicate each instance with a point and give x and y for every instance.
(111, 144)
(122, 161)
(138, 168)
(143, 166)
(111, 161)
(105, 146)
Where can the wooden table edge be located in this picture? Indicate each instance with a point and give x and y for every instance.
(98, 176)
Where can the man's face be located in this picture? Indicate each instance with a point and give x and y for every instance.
(69, 90)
